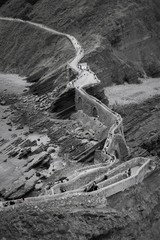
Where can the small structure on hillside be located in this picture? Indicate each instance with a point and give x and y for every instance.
(83, 66)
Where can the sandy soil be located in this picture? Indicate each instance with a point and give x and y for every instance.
(133, 93)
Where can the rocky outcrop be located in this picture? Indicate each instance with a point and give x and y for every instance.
(141, 127)
(64, 105)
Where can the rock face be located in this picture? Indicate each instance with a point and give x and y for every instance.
(64, 105)
(18, 171)
(142, 128)
(33, 49)
(121, 38)
(24, 152)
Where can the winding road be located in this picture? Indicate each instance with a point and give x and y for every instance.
(85, 78)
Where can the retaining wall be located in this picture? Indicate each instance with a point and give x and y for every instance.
(81, 180)
(129, 164)
(90, 123)
(142, 171)
(109, 165)
(88, 106)
(112, 180)
(114, 133)
(86, 178)
(125, 183)
(95, 198)
(118, 145)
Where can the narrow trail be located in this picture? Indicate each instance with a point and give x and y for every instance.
(85, 78)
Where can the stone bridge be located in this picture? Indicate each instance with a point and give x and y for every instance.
(115, 147)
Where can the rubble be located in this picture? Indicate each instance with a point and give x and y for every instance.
(3, 102)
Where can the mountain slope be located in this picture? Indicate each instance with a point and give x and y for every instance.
(120, 38)
(26, 49)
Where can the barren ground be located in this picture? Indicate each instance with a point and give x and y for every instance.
(133, 93)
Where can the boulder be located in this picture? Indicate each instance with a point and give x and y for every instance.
(19, 127)
(51, 150)
(22, 189)
(2, 102)
(24, 152)
(31, 130)
(9, 123)
(46, 162)
(14, 152)
(38, 186)
(37, 149)
(38, 159)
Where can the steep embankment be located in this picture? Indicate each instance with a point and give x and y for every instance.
(120, 38)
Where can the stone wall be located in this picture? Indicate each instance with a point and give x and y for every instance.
(112, 180)
(94, 108)
(84, 179)
(98, 197)
(129, 164)
(125, 183)
(81, 180)
(142, 171)
(118, 147)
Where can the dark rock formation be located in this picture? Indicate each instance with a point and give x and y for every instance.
(64, 105)
(142, 127)
(24, 152)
